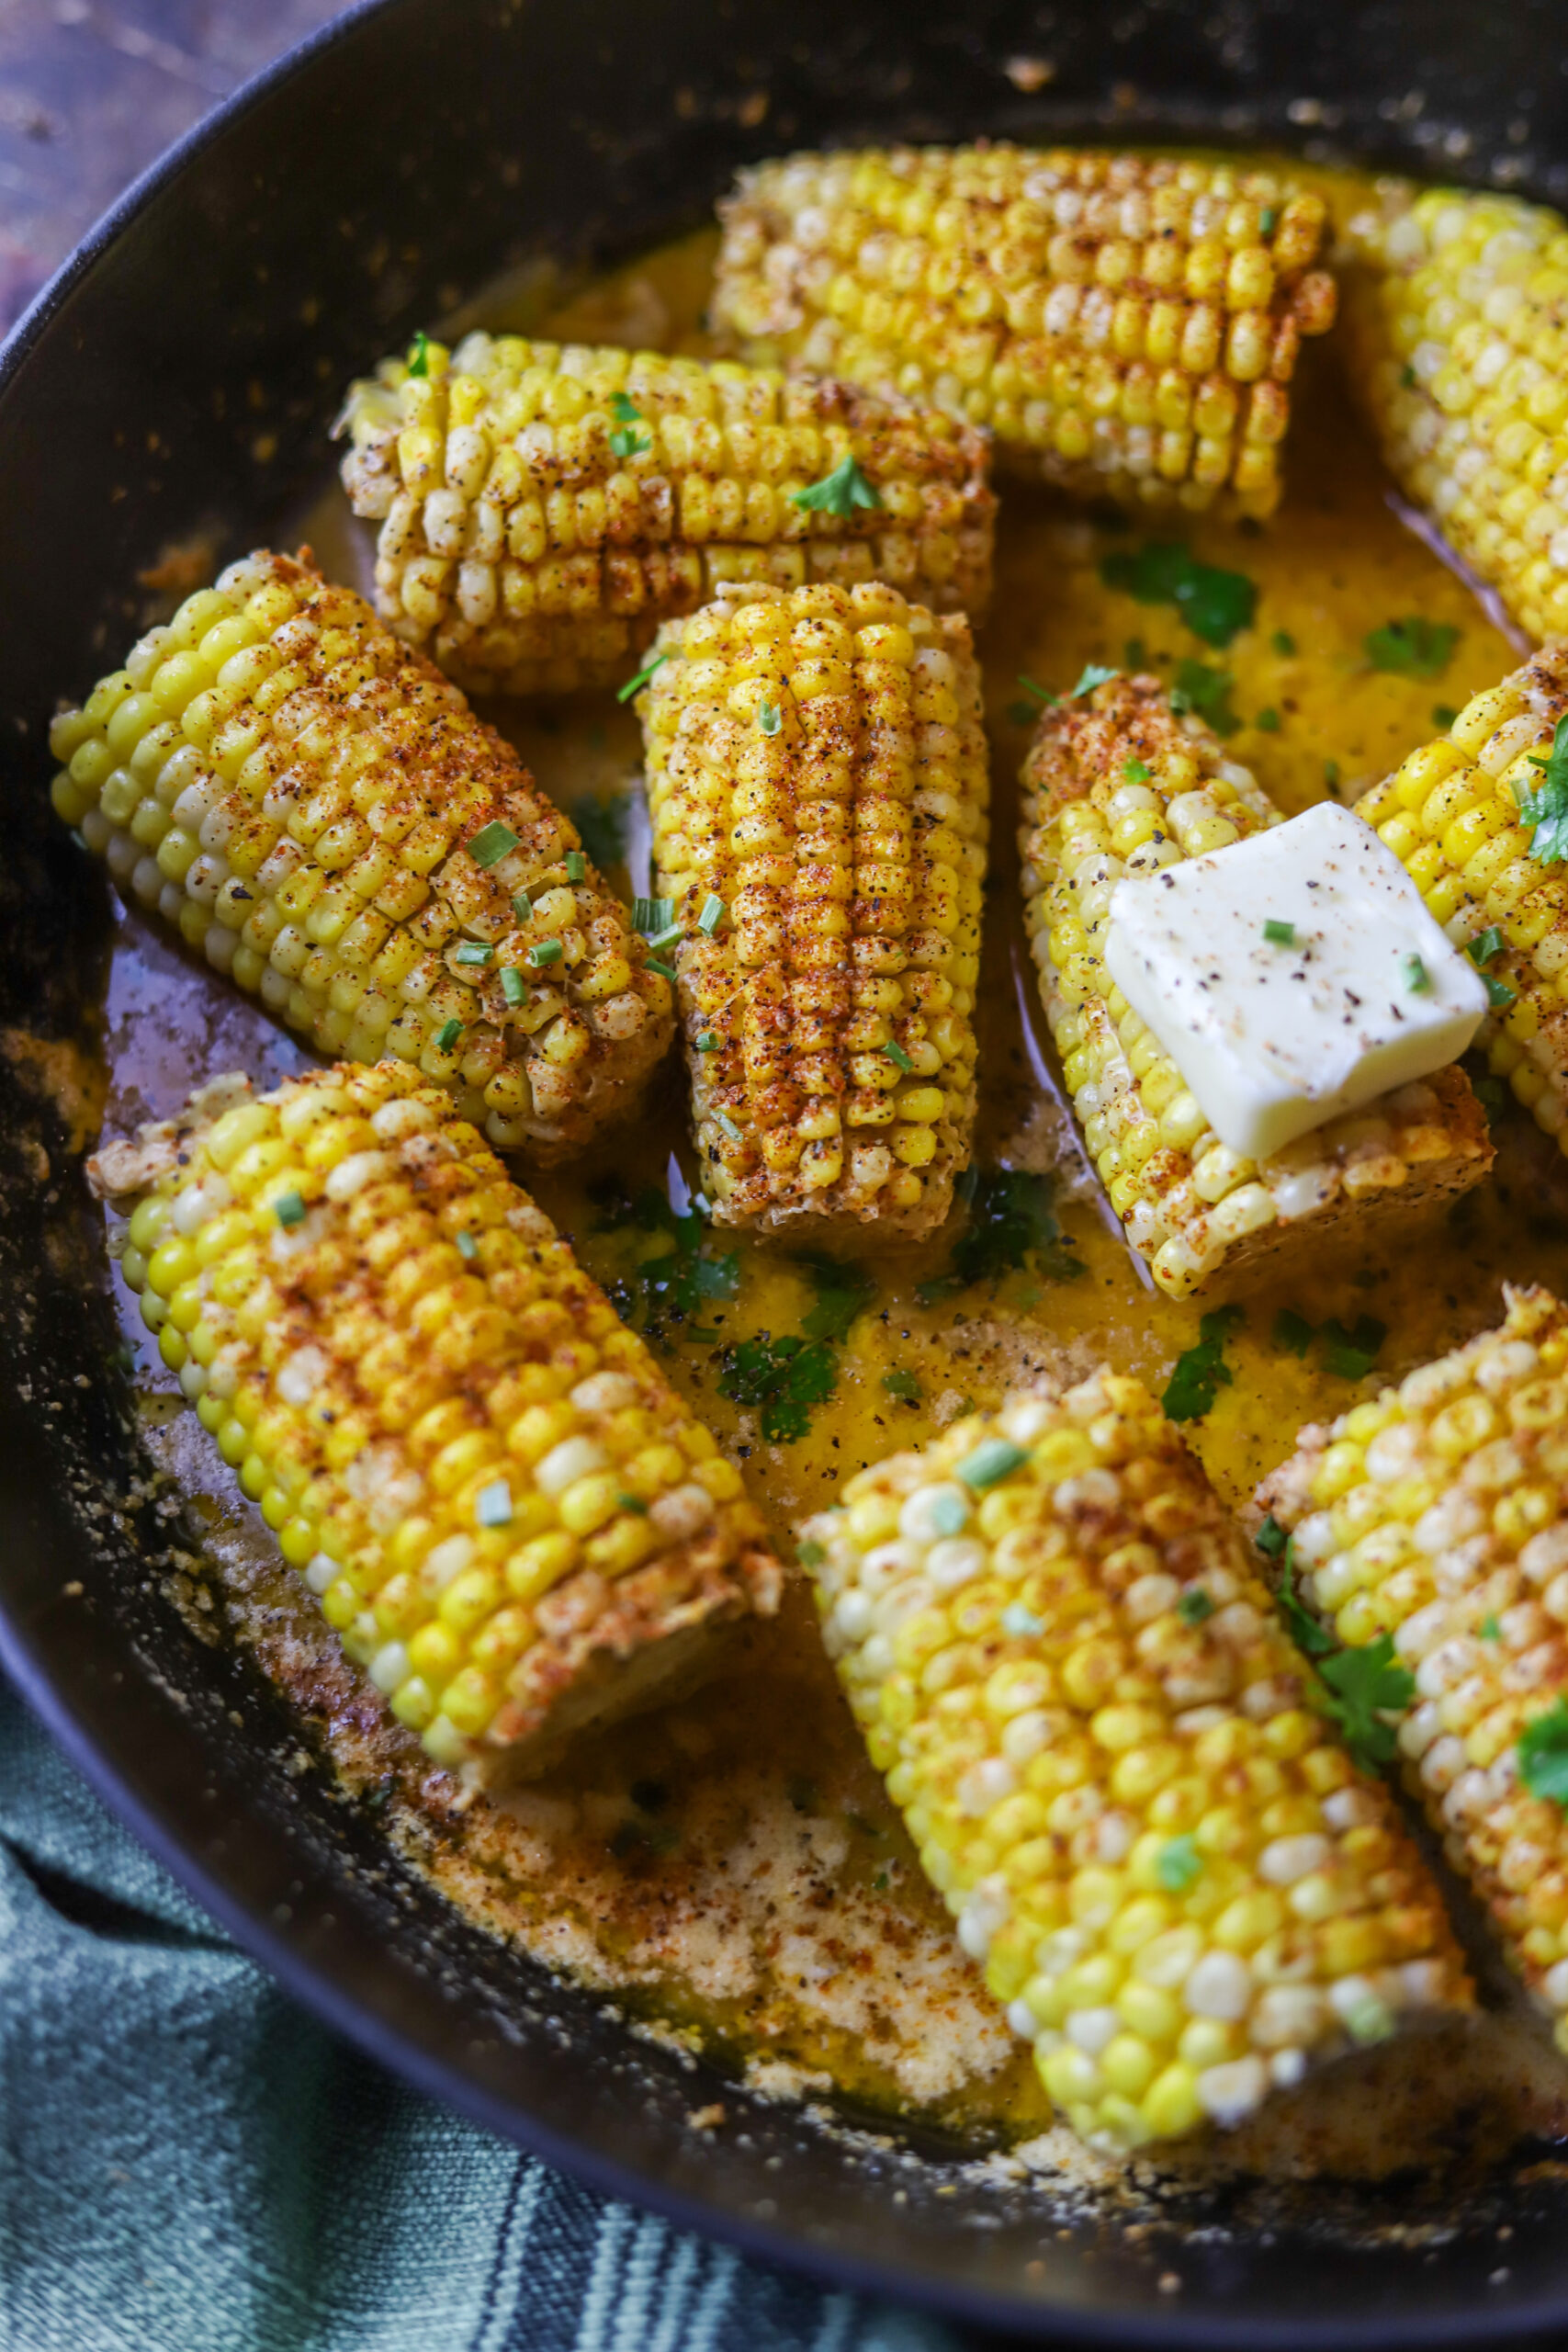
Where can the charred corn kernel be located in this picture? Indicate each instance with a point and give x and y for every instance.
(1121, 324)
(1191, 1208)
(352, 827)
(1150, 1993)
(1512, 915)
(449, 1553)
(555, 502)
(1454, 309)
(815, 763)
(1472, 1585)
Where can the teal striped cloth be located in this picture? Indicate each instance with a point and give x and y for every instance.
(188, 2162)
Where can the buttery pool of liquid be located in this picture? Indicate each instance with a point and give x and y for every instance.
(730, 1867)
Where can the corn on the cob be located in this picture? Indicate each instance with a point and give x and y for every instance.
(817, 781)
(318, 812)
(1438, 1515)
(1191, 1207)
(543, 508)
(1452, 814)
(502, 1506)
(1458, 330)
(1104, 1747)
(1123, 325)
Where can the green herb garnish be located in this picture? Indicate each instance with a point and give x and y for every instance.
(523, 907)
(993, 1459)
(666, 972)
(1020, 1621)
(1267, 722)
(770, 718)
(1201, 1372)
(1194, 1607)
(1011, 1226)
(1217, 606)
(290, 1208)
(1350, 1356)
(1270, 1538)
(841, 1294)
(492, 844)
(419, 355)
(1308, 1635)
(713, 913)
(838, 493)
(627, 442)
(897, 1056)
(1443, 715)
(634, 686)
(1284, 642)
(1135, 772)
(1293, 1332)
(513, 987)
(1417, 978)
(603, 827)
(1094, 674)
(1412, 647)
(448, 1036)
(1179, 1864)
(546, 951)
(576, 866)
(467, 1246)
(1545, 810)
(1280, 934)
(708, 1043)
(811, 1553)
(721, 1119)
(783, 1378)
(1490, 1629)
(473, 952)
(1543, 1755)
(493, 1504)
(623, 409)
(1206, 691)
(1366, 1681)
(1268, 220)
(903, 1385)
(651, 916)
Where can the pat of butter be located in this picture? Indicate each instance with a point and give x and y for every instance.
(1357, 991)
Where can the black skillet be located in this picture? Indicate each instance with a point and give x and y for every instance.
(181, 371)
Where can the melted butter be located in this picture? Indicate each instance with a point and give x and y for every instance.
(730, 1867)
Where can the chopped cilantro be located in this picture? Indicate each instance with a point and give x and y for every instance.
(1417, 978)
(1179, 1864)
(576, 866)
(1284, 642)
(897, 1056)
(1443, 715)
(1407, 377)
(634, 686)
(1280, 934)
(1201, 1372)
(623, 409)
(1491, 1093)
(603, 827)
(1011, 1224)
(1194, 1607)
(708, 1043)
(903, 1385)
(419, 355)
(627, 442)
(1094, 674)
(770, 718)
(1269, 220)
(680, 1278)
(1135, 772)
(1412, 647)
(634, 1503)
(1301, 1625)
(1545, 810)
(1208, 692)
(492, 844)
(841, 1294)
(783, 1378)
(838, 493)
(1366, 1681)
(1293, 1332)
(1350, 1356)
(290, 1208)
(1267, 722)
(1490, 1629)
(1270, 1538)
(513, 987)
(811, 1553)
(993, 1459)
(448, 1036)
(1543, 1755)
(1217, 606)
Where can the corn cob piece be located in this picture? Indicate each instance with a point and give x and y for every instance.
(1193, 1208)
(542, 508)
(1455, 310)
(501, 1503)
(817, 780)
(1438, 1515)
(1124, 326)
(1452, 814)
(1103, 1743)
(319, 813)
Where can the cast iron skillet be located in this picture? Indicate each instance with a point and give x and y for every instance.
(182, 370)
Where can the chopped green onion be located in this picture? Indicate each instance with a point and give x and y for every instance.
(576, 866)
(770, 718)
(473, 951)
(713, 913)
(634, 686)
(1498, 993)
(1283, 641)
(649, 915)
(1417, 978)
(419, 355)
(1267, 722)
(1194, 1607)
(513, 987)
(1020, 1621)
(288, 1208)
(523, 907)
(1270, 1538)
(467, 1246)
(948, 1513)
(897, 1056)
(1280, 934)
(448, 1036)
(995, 1458)
(722, 1120)
(656, 964)
(493, 1504)
(492, 842)
(1135, 772)
(632, 1502)
(546, 951)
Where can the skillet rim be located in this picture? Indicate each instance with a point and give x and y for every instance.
(324, 1990)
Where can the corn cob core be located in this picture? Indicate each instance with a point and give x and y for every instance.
(1102, 1744)
(817, 774)
(1439, 1514)
(542, 507)
(502, 1506)
(1452, 814)
(1193, 1208)
(1122, 325)
(319, 813)
(1459, 324)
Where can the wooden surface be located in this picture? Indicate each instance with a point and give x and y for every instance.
(92, 91)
